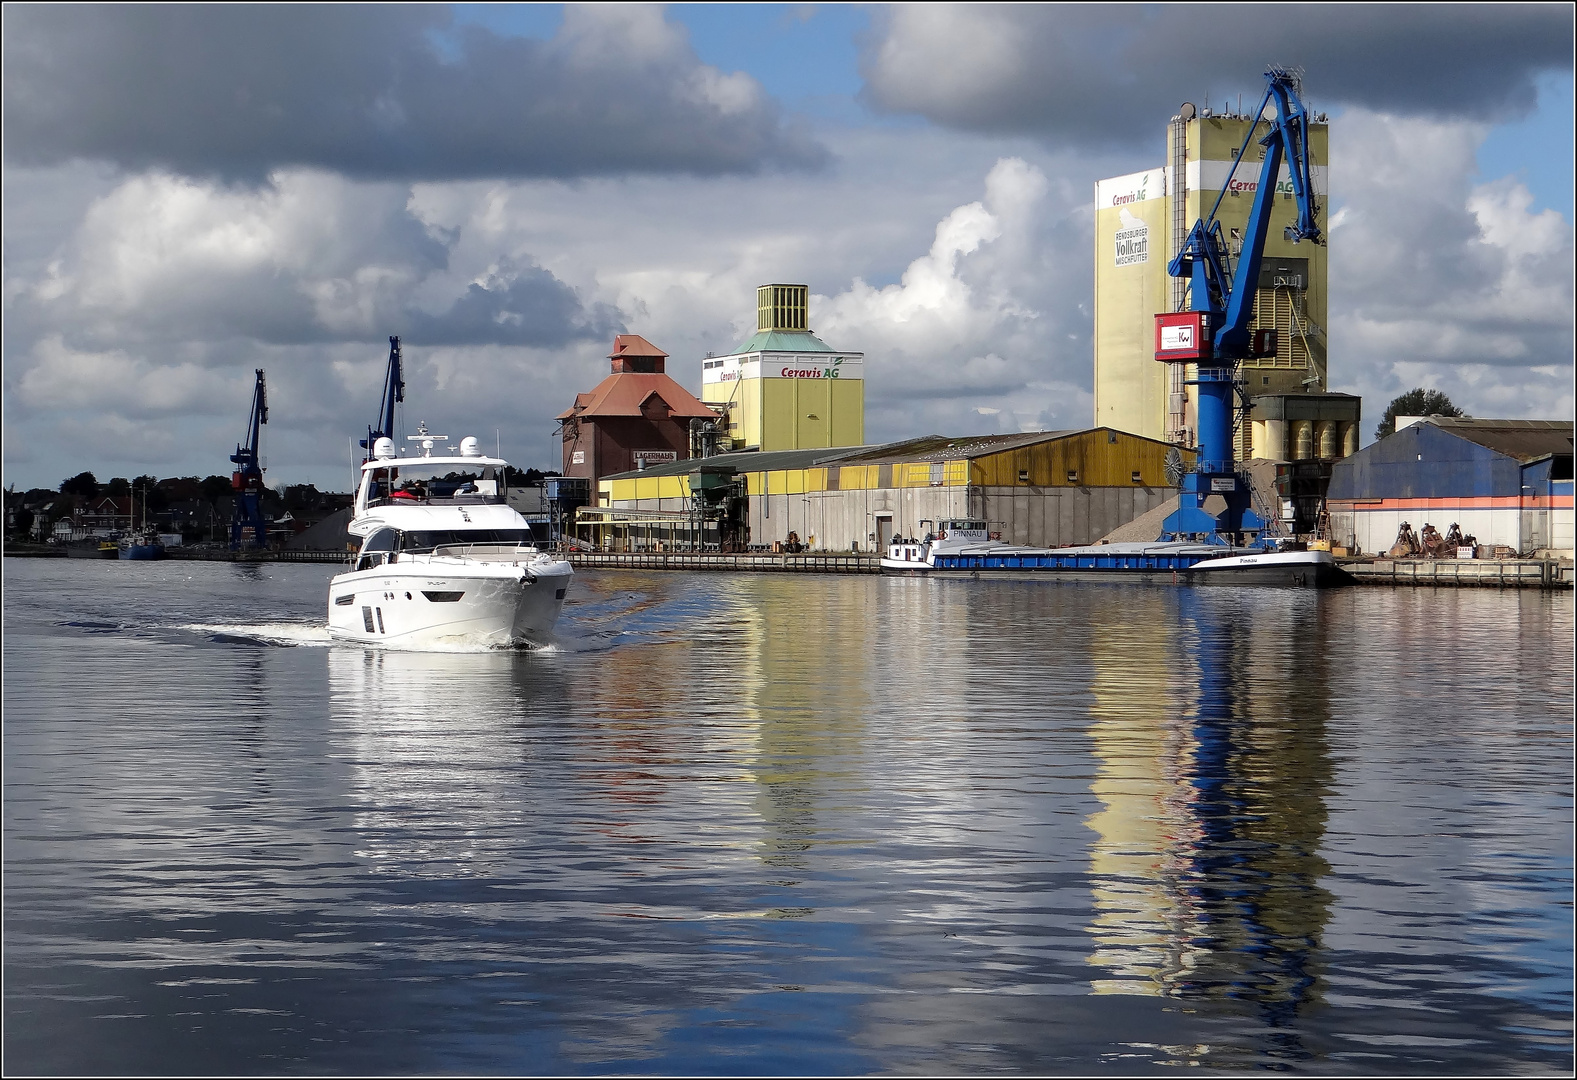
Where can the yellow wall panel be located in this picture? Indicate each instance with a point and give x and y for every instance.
(1099, 458)
(848, 412)
(790, 414)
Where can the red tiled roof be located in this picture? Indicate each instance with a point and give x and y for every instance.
(628, 345)
(624, 393)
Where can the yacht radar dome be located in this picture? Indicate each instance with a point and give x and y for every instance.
(383, 448)
(469, 447)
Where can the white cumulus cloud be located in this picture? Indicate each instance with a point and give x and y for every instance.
(1442, 281)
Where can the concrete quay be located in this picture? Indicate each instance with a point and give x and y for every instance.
(1486, 573)
(752, 562)
(1462, 573)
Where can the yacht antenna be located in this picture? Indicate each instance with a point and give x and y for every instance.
(425, 438)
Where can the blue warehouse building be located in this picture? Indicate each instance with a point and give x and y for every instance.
(1507, 482)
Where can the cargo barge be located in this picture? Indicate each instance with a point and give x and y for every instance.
(965, 549)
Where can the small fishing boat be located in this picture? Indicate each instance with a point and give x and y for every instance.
(964, 548)
(141, 544)
(93, 548)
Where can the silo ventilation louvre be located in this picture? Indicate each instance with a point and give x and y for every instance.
(782, 307)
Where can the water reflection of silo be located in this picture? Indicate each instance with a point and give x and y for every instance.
(1207, 871)
(1144, 828)
(806, 679)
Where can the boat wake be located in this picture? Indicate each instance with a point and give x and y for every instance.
(276, 633)
(604, 623)
(316, 635)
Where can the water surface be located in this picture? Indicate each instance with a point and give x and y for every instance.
(786, 824)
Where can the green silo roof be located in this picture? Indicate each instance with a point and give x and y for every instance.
(785, 341)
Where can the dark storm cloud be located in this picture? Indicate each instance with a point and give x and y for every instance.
(1101, 74)
(531, 308)
(370, 92)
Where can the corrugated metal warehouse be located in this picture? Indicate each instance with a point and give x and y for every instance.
(1040, 488)
(1507, 482)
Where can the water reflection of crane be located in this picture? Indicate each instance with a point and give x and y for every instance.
(1212, 780)
(1261, 768)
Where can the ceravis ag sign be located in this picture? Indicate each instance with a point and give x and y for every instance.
(798, 370)
(797, 365)
(1212, 175)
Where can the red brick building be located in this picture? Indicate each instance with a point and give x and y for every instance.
(634, 417)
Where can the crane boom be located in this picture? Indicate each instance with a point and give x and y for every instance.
(1215, 333)
(393, 394)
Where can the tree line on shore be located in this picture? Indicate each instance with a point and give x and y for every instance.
(163, 500)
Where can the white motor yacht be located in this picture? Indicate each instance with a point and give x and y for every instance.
(444, 560)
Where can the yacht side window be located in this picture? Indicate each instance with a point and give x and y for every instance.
(383, 540)
(488, 485)
(378, 548)
(381, 486)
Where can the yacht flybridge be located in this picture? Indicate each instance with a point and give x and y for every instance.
(444, 560)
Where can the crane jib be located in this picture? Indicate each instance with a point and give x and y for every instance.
(393, 394)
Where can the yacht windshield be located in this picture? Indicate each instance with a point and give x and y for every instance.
(428, 540)
(443, 485)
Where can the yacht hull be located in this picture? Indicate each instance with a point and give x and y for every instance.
(433, 601)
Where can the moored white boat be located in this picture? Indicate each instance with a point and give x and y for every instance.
(444, 560)
(964, 549)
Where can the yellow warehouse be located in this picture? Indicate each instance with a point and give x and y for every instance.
(1040, 488)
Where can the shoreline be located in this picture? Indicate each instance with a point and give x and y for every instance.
(1548, 574)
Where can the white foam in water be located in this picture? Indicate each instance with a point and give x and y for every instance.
(271, 633)
(317, 634)
(459, 644)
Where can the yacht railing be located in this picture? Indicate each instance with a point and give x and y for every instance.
(500, 552)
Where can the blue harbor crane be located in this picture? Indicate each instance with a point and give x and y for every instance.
(1215, 333)
(393, 394)
(246, 527)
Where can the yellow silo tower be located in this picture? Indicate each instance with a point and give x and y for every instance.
(1141, 221)
(785, 388)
